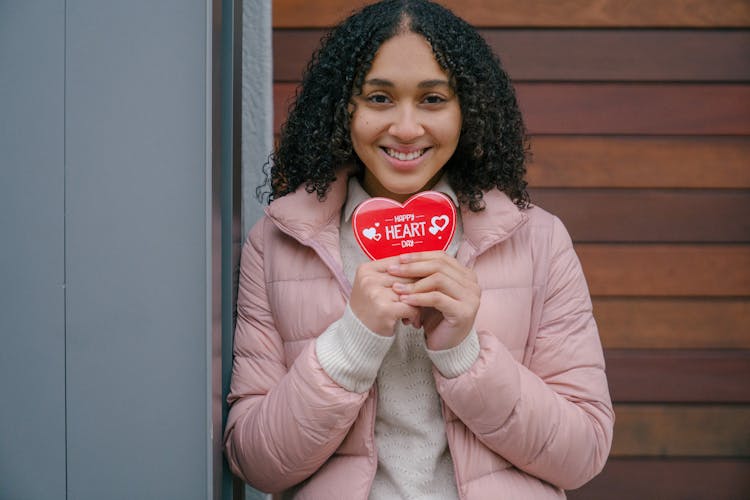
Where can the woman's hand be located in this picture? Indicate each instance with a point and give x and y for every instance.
(374, 301)
(447, 292)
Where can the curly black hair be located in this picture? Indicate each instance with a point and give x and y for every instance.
(316, 142)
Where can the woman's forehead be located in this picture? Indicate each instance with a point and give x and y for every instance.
(407, 55)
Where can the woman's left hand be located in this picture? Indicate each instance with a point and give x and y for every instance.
(447, 292)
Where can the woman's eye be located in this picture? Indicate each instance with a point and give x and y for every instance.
(378, 99)
(434, 99)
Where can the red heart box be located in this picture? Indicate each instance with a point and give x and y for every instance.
(385, 228)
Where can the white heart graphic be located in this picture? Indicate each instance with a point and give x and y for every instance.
(436, 226)
(371, 233)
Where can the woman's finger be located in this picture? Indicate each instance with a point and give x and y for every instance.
(422, 268)
(374, 301)
(439, 282)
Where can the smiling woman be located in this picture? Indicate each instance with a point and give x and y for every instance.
(473, 370)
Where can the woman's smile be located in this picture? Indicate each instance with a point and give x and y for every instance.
(405, 156)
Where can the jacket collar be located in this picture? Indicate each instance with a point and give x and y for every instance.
(498, 221)
(303, 216)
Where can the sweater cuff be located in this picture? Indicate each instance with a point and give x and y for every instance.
(350, 353)
(457, 360)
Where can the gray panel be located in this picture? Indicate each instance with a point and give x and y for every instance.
(257, 105)
(136, 249)
(32, 328)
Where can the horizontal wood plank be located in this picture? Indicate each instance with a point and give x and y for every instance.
(615, 109)
(664, 323)
(666, 270)
(579, 55)
(623, 55)
(670, 479)
(640, 109)
(630, 215)
(639, 162)
(684, 376)
(541, 13)
(653, 430)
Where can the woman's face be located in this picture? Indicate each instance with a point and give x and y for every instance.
(406, 121)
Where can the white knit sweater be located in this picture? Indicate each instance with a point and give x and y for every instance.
(413, 456)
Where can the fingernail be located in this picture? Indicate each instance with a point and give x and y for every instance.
(393, 268)
(399, 287)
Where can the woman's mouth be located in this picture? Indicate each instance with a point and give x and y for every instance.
(398, 155)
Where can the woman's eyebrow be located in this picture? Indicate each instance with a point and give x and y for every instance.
(428, 84)
(379, 82)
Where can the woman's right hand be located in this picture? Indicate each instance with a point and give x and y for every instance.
(374, 302)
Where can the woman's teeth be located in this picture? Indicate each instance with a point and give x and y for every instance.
(404, 156)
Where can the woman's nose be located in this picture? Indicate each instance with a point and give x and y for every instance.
(406, 124)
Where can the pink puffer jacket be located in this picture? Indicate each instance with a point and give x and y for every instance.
(532, 416)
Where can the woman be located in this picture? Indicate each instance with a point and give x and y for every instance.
(471, 373)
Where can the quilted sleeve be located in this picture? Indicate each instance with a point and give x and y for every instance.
(284, 423)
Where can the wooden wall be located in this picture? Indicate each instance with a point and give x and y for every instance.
(639, 113)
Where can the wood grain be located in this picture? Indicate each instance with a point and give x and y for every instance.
(665, 323)
(638, 215)
(614, 109)
(541, 13)
(623, 55)
(681, 431)
(684, 376)
(683, 479)
(619, 270)
(639, 162)
(641, 109)
(578, 55)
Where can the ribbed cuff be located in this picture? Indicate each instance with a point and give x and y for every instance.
(351, 353)
(457, 360)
